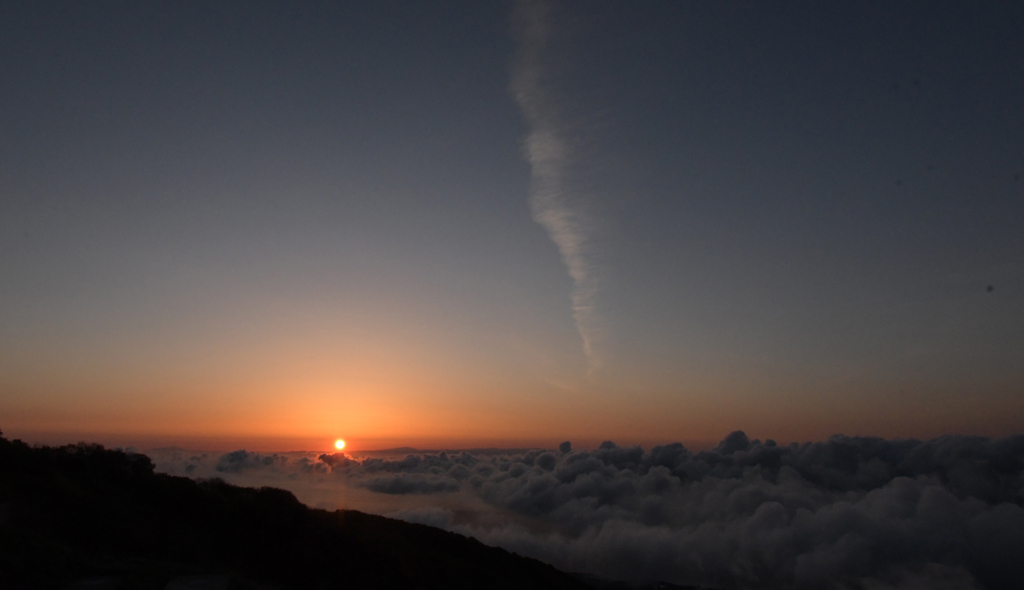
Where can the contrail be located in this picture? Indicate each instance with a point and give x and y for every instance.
(549, 155)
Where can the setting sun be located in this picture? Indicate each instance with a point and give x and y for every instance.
(339, 444)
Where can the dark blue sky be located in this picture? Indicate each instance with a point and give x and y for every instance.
(472, 220)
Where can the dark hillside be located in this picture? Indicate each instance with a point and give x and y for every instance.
(82, 511)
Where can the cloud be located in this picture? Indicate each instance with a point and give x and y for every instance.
(238, 461)
(848, 512)
(404, 483)
(548, 150)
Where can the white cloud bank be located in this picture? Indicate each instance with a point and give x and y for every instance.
(847, 513)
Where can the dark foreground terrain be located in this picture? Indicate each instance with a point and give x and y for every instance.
(81, 516)
(84, 516)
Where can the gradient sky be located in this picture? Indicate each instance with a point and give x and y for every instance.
(471, 222)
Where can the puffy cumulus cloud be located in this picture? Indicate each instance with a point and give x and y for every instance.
(241, 466)
(238, 461)
(849, 512)
(416, 483)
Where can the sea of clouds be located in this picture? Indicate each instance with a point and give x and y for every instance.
(849, 512)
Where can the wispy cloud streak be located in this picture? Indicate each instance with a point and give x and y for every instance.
(548, 151)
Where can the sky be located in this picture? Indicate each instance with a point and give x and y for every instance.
(490, 223)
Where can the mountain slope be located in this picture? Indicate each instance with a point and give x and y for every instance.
(82, 510)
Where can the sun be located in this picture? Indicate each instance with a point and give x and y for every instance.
(339, 444)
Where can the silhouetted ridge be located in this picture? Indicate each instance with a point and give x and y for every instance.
(84, 511)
